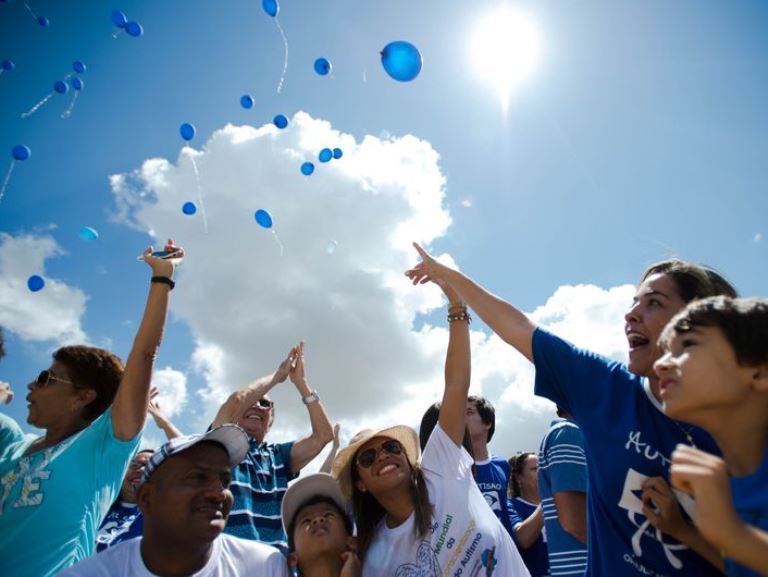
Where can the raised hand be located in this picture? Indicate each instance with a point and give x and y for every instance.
(164, 267)
(297, 372)
(427, 270)
(6, 394)
(285, 367)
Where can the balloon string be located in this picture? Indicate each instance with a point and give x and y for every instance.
(190, 152)
(277, 240)
(30, 11)
(32, 110)
(68, 111)
(7, 179)
(285, 60)
(115, 35)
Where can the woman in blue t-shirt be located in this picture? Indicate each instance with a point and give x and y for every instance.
(524, 493)
(635, 523)
(57, 488)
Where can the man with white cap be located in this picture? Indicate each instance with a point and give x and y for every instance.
(185, 499)
(319, 529)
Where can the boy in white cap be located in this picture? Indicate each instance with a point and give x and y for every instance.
(185, 499)
(319, 529)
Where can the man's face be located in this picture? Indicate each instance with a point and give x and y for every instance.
(257, 420)
(319, 530)
(133, 476)
(188, 498)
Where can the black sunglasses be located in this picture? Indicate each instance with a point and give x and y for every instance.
(265, 403)
(367, 457)
(45, 378)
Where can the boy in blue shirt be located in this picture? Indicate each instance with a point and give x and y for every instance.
(715, 374)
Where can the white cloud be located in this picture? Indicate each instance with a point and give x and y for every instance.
(758, 237)
(466, 203)
(172, 390)
(246, 305)
(51, 314)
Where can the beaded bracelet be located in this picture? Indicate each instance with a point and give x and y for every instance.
(462, 316)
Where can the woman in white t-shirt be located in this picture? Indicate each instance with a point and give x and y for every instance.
(426, 517)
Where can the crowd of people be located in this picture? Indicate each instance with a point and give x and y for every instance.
(657, 468)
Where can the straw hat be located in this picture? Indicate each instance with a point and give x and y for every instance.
(342, 465)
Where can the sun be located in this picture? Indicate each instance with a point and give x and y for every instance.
(505, 49)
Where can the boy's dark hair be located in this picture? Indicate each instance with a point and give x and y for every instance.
(486, 411)
(744, 323)
(92, 368)
(693, 281)
(348, 524)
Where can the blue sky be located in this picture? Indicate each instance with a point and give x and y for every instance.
(639, 136)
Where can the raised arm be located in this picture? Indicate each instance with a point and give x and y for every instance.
(458, 368)
(129, 409)
(306, 449)
(328, 463)
(161, 420)
(505, 320)
(239, 401)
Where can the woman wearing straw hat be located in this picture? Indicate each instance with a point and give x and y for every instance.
(426, 516)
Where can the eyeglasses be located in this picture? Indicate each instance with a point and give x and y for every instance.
(265, 403)
(44, 379)
(367, 457)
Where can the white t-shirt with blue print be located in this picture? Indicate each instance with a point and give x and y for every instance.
(627, 439)
(466, 538)
(53, 501)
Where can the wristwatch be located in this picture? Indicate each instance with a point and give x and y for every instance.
(312, 397)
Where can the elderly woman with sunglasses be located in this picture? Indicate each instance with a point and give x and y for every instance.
(56, 488)
(426, 516)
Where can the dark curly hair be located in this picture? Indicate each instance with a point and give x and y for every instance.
(92, 368)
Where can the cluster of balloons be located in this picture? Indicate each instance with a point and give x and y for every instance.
(325, 155)
(121, 22)
(62, 87)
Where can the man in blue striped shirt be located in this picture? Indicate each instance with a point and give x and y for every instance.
(259, 482)
(563, 491)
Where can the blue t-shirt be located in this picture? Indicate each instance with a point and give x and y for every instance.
(52, 502)
(750, 498)
(627, 439)
(123, 521)
(535, 557)
(258, 486)
(492, 478)
(562, 467)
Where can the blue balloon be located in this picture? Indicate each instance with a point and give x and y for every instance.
(87, 233)
(61, 87)
(119, 19)
(322, 66)
(77, 82)
(187, 131)
(189, 208)
(271, 7)
(337, 153)
(44, 22)
(8, 65)
(134, 29)
(325, 155)
(35, 283)
(307, 168)
(401, 60)
(280, 121)
(263, 218)
(246, 101)
(79, 66)
(21, 152)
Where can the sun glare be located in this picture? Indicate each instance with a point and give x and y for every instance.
(505, 50)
